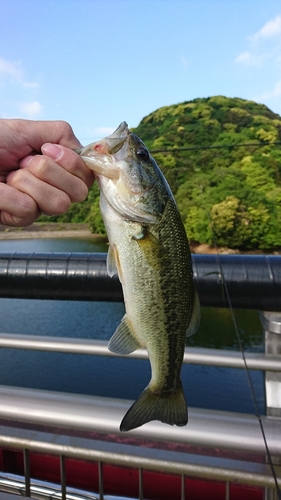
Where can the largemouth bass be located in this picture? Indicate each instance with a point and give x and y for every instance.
(149, 250)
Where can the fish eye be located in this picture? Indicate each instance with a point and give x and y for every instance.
(142, 154)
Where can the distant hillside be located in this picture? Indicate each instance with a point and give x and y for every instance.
(231, 193)
(223, 191)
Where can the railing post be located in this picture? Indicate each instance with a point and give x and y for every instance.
(62, 477)
(26, 459)
(101, 483)
(271, 322)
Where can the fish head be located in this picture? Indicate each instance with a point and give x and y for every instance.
(128, 176)
(99, 156)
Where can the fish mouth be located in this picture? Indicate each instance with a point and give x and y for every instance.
(122, 131)
(116, 140)
(110, 145)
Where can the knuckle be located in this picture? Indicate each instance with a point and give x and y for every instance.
(65, 129)
(28, 205)
(73, 163)
(81, 193)
(71, 167)
(18, 178)
(28, 210)
(42, 167)
(60, 204)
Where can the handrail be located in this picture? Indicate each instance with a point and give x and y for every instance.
(13, 484)
(192, 355)
(206, 428)
(186, 464)
(253, 281)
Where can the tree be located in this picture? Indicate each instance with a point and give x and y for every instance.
(227, 180)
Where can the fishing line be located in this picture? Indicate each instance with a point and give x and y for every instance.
(257, 412)
(216, 146)
(224, 284)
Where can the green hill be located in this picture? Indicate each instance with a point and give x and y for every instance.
(227, 192)
(227, 183)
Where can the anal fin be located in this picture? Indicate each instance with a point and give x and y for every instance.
(123, 340)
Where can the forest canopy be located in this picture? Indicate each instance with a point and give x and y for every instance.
(227, 182)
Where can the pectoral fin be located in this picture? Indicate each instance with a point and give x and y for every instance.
(123, 340)
(152, 248)
(196, 316)
(113, 263)
(110, 263)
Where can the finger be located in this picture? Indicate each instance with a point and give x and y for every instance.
(25, 161)
(70, 161)
(49, 172)
(57, 132)
(17, 209)
(50, 199)
(20, 138)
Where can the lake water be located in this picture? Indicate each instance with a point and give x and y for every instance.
(205, 387)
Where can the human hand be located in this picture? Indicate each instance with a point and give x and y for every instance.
(32, 183)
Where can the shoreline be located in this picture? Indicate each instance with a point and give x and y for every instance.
(46, 230)
(77, 230)
(28, 235)
(43, 234)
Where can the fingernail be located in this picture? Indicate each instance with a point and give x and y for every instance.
(26, 161)
(52, 150)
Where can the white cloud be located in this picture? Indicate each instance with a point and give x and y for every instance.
(275, 92)
(269, 30)
(30, 109)
(31, 85)
(104, 131)
(185, 63)
(249, 59)
(10, 69)
(257, 54)
(95, 134)
(19, 94)
(13, 71)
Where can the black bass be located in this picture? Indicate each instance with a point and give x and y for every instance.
(149, 250)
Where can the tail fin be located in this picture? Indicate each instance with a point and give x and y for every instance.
(168, 408)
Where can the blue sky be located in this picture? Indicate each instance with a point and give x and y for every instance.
(95, 63)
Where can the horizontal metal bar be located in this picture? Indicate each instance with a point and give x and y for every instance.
(12, 485)
(192, 355)
(231, 359)
(253, 281)
(206, 428)
(213, 468)
(11, 496)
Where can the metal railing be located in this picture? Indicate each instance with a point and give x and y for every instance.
(254, 281)
(83, 277)
(236, 432)
(192, 355)
(181, 464)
